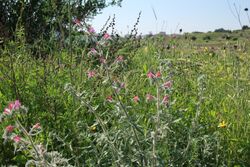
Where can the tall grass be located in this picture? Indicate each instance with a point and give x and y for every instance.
(101, 101)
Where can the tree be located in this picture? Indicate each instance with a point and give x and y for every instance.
(40, 17)
(245, 27)
(222, 30)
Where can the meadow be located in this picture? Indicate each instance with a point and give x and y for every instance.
(105, 100)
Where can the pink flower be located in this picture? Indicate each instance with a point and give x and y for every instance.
(91, 30)
(37, 126)
(7, 111)
(10, 128)
(165, 99)
(136, 99)
(103, 60)
(11, 106)
(106, 36)
(158, 74)
(149, 97)
(109, 99)
(167, 85)
(17, 139)
(17, 105)
(119, 59)
(91, 74)
(150, 75)
(93, 51)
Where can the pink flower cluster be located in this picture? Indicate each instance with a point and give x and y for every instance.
(37, 126)
(91, 30)
(149, 97)
(12, 106)
(167, 85)
(9, 128)
(120, 59)
(136, 99)
(165, 100)
(106, 36)
(109, 99)
(91, 74)
(151, 75)
(16, 139)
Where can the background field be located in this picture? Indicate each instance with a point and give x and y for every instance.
(71, 96)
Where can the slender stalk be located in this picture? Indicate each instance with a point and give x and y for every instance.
(133, 125)
(70, 42)
(14, 84)
(31, 141)
(157, 126)
(115, 151)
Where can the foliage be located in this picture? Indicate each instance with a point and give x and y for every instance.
(109, 101)
(222, 30)
(245, 27)
(41, 19)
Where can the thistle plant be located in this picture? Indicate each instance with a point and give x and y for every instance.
(24, 139)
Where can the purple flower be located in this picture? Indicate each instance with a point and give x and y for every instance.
(106, 36)
(91, 74)
(91, 30)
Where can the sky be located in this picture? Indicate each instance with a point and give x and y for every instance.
(171, 15)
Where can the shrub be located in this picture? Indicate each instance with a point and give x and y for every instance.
(193, 38)
(222, 30)
(206, 38)
(245, 27)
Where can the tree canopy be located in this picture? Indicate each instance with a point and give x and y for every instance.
(40, 17)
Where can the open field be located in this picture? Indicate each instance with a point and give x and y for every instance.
(179, 100)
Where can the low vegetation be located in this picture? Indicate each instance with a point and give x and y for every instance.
(105, 100)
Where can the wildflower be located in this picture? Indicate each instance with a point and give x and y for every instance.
(158, 74)
(222, 124)
(17, 105)
(93, 51)
(17, 139)
(149, 97)
(7, 111)
(37, 126)
(10, 128)
(106, 36)
(102, 60)
(91, 30)
(167, 85)
(93, 128)
(91, 74)
(136, 99)
(11, 106)
(150, 75)
(119, 59)
(165, 99)
(109, 99)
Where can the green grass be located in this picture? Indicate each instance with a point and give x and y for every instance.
(211, 81)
